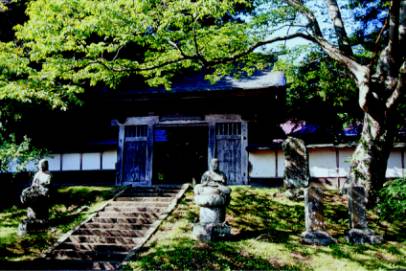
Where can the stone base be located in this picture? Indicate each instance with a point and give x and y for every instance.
(320, 238)
(363, 236)
(28, 226)
(211, 231)
(295, 194)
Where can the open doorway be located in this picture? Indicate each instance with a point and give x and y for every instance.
(180, 154)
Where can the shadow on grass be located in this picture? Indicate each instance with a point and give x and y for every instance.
(255, 214)
(187, 254)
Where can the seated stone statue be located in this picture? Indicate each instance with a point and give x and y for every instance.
(40, 184)
(214, 176)
(36, 198)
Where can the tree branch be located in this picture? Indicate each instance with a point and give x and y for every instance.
(314, 24)
(402, 27)
(335, 16)
(394, 98)
(359, 71)
(257, 45)
(393, 44)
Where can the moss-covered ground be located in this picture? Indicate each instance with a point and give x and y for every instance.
(266, 228)
(68, 207)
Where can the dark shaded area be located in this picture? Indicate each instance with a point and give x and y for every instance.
(180, 154)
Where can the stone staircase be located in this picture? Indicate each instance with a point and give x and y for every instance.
(115, 232)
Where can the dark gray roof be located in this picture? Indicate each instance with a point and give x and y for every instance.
(197, 82)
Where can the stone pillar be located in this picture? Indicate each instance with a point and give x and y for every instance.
(296, 174)
(213, 199)
(314, 217)
(359, 232)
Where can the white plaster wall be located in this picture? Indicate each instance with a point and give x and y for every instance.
(54, 162)
(322, 163)
(395, 165)
(109, 160)
(71, 161)
(263, 164)
(91, 161)
(344, 160)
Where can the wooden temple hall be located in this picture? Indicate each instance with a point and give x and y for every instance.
(167, 137)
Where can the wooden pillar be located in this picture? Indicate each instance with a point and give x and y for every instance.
(244, 152)
(211, 152)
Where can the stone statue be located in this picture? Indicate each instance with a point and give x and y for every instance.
(297, 181)
(36, 199)
(214, 175)
(213, 196)
(315, 233)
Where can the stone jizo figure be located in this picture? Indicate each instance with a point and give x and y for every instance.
(214, 175)
(213, 197)
(36, 199)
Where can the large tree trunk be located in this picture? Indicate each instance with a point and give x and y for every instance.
(369, 161)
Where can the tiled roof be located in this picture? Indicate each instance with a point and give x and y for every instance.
(197, 82)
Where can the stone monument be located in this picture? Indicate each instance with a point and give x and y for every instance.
(314, 217)
(359, 232)
(213, 196)
(36, 199)
(296, 174)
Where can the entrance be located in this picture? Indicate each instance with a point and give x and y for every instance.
(180, 154)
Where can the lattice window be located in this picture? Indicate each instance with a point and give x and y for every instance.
(224, 129)
(136, 131)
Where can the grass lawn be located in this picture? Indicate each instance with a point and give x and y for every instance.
(69, 206)
(266, 227)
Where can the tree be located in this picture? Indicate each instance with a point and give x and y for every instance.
(73, 44)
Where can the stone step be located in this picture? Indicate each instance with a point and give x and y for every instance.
(139, 204)
(148, 215)
(149, 194)
(151, 190)
(110, 232)
(129, 209)
(132, 220)
(118, 240)
(98, 247)
(115, 226)
(71, 254)
(136, 199)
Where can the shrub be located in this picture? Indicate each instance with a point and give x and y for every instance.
(392, 200)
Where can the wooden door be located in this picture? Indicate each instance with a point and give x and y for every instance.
(230, 150)
(136, 156)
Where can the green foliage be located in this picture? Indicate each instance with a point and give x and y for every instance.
(317, 81)
(392, 200)
(17, 154)
(92, 42)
